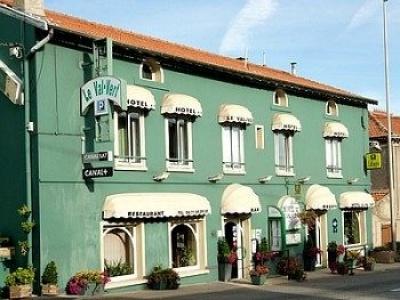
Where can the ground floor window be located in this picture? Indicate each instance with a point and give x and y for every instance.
(353, 227)
(122, 248)
(275, 235)
(187, 244)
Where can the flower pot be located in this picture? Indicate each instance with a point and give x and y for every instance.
(369, 267)
(258, 279)
(224, 272)
(309, 263)
(93, 289)
(49, 289)
(161, 285)
(20, 291)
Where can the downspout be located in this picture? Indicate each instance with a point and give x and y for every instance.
(29, 129)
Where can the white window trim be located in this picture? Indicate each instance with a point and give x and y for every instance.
(362, 223)
(279, 171)
(201, 259)
(259, 144)
(172, 166)
(336, 109)
(329, 173)
(228, 169)
(137, 277)
(130, 166)
(153, 79)
(280, 102)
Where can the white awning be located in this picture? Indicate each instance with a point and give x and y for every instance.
(140, 97)
(320, 198)
(335, 129)
(355, 200)
(234, 113)
(282, 121)
(181, 104)
(239, 199)
(155, 205)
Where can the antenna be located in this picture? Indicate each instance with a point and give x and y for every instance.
(246, 57)
(264, 60)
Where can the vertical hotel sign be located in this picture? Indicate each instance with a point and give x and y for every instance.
(101, 91)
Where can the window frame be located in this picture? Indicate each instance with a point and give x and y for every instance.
(157, 73)
(288, 168)
(333, 157)
(328, 108)
(138, 240)
(277, 98)
(271, 234)
(259, 137)
(121, 164)
(228, 167)
(178, 165)
(362, 226)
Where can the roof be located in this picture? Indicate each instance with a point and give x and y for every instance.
(378, 125)
(153, 45)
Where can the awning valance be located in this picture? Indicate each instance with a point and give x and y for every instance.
(181, 104)
(335, 129)
(239, 199)
(320, 198)
(140, 97)
(234, 113)
(282, 121)
(155, 205)
(355, 200)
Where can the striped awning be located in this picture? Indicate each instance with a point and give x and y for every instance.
(239, 199)
(155, 205)
(355, 200)
(234, 113)
(282, 121)
(181, 104)
(139, 97)
(320, 198)
(335, 129)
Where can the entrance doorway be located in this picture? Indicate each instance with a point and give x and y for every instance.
(236, 233)
(318, 235)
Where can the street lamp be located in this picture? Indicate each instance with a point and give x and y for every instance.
(389, 126)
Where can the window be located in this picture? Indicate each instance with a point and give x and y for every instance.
(284, 153)
(122, 245)
(179, 143)
(275, 237)
(129, 142)
(332, 108)
(151, 70)
(280, 98)
(353, 227)
(333, 157)
(187, 247)
(259, 136)
(233, 148)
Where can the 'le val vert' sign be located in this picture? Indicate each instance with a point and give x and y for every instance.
(373, 161)
(104, 88)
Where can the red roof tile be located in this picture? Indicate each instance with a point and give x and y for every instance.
(378, 124)
(138, 41)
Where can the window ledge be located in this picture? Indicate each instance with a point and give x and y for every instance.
(187, 273)
(284, 174)
(129, 167)
(173, 168)
(124, 282)
(234, 172)
(334, 176)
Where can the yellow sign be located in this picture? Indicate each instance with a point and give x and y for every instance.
(373, 160)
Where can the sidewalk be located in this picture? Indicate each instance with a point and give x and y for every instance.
(218, 287)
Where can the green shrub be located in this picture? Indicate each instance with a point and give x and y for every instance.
(117, 268)
(50, 274)
(167, 276)
(20, 276)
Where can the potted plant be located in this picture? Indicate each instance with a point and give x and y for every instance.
(226, 258)
(258, 274)
(310, 253)
(368, 263)
(383, 254)
(20, 282)
(342, 268)
(119, 268)
(332, 256)
(50, 280)
(295, 270)
(161, 279)
(87, 283)
(351, 259)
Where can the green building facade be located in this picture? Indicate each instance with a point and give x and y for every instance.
(197, 150)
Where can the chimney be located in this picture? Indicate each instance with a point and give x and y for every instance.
(293, 68)
(33, 7)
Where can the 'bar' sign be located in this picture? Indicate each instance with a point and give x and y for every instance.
(88, 173)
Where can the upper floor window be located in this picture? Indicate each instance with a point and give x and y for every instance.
(333, 157)
(151, 70)
(280, 98)
(180, 111)
(129, 145)
(234, 119)
(332, 108)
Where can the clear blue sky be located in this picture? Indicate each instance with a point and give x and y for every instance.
(336, 42)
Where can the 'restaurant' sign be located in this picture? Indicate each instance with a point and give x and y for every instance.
(97, 156)
(88, 173)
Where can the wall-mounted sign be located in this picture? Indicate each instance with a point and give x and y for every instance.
(88, 173)
(293, 238)
(100, 107)
(97, 156)
(101, 90)
(290, 208)
(373, 161)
